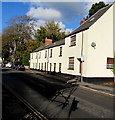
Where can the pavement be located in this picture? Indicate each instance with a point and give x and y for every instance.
(101, 88)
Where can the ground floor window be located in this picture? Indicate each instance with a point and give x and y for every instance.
(39, 66)
(50, 67)
(45, 66)
(59, 67)
(42, 66)
(71, 63)
(54, 67)
(110, 62)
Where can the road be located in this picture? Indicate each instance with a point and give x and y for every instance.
(38, 91)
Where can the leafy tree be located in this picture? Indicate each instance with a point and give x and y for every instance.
(95, 7)
(30, 46)
(49, 30)
(20, 29)
(41, 35)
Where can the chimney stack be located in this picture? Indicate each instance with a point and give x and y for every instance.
(47, 41)
(81, 22)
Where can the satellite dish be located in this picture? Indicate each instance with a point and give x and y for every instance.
(93, 44)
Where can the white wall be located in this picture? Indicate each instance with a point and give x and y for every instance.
(73, 51)
(95, 59)
(114, 28)
(101, 32)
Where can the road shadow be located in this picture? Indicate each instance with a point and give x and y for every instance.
(42, 85)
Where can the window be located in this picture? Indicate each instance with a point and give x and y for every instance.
(45, 66)
(46, 54)
(60, 67)
(50, 53)
(110, 62)
(54, 67)
(50, 67)
(60, 52)
(39, 66)
(36, 65)
(42, 66)
(35, 55)
(39, 55)
(73, 40)
(71, 63)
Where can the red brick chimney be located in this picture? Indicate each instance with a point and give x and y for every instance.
(47, 41)
(81, 22)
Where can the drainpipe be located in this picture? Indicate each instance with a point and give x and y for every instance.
(81, 57)
(47, 60)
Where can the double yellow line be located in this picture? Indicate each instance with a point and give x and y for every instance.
(31, 108)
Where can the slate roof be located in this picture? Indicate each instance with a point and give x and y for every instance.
(82, 27)
(91, 20)
(58, 43)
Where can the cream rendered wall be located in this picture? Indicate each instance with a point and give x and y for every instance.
(101, 32)
(42, 59)
(56, 58)
(31, 65)
(33, 60)
(85, 52)
(73, 51)
(114, 28)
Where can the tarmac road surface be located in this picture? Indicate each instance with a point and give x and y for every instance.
(39, 92)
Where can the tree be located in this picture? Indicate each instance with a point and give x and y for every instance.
(95, 7)
(41, 35)
(30, 46)
(49, 30)
(20, 29)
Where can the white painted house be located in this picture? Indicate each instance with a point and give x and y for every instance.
(87, 51)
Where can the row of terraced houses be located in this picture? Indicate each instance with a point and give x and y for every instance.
(88, 51)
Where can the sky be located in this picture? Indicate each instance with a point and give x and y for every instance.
(68, 13)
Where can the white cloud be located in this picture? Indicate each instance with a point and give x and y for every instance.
(63, 27)
(44, 13)
(39, 23)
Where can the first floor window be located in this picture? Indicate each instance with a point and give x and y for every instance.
(71, 63)
(60, 52)
(46, 54)
(50, 53)
(73, 40)
(39, 55)
(31, 56)
(110, 62)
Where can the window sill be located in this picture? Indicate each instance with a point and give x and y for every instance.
(70, 68)
(60, 55)
(72, 45)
